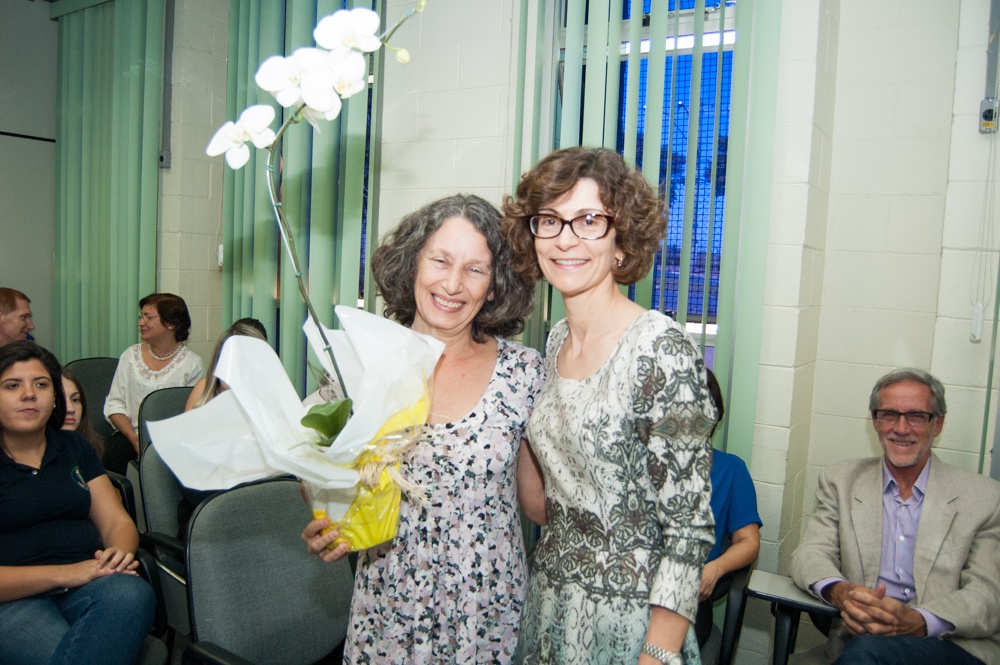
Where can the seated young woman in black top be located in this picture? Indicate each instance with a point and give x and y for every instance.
(68, 588)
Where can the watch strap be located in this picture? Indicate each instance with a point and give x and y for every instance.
(663, 655)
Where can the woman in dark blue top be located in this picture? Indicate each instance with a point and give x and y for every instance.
(68, 587)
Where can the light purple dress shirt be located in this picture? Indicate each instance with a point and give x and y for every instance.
(899, 538)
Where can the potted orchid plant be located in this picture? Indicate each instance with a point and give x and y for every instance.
(311, 82)
(346, 452)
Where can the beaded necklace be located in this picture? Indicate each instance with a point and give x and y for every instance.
(149, 347)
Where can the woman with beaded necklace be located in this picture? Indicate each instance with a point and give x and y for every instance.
(160, 360)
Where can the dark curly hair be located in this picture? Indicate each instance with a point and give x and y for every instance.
(394, 266)
(638, 212)
(25, 350)
(173, 312)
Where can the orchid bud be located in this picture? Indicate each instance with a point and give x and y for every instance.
(402, 56)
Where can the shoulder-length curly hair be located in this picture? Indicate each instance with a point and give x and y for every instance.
(639, 221)
(394, 266)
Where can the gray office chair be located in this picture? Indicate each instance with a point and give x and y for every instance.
(157, 405)
(256, 594)
(95, 375)
(161, 495)
(154, 651)
(160, 405)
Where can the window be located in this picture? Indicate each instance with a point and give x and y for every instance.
(687, 266)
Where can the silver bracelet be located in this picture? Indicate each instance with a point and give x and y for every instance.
(662, 655)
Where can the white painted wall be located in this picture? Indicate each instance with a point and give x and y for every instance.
(906, 193)
(879, 180)
(190, 220)
(27, 166)
(449, 112)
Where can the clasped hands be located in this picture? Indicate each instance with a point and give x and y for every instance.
(109, 561)
(870, 611)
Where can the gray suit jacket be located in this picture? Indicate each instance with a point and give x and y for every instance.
(956, 564)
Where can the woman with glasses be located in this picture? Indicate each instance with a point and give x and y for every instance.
(621, 430)
(160, 360)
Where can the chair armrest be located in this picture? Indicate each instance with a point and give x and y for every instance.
(781, 591)
(147, 571)
(787, 603)
(154, 540)
(125, 490)
(206, 653)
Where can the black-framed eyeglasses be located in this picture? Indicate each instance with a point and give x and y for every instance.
(592, 226)
(913, 418)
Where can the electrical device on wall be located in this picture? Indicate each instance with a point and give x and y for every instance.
(988, 107)
(988, 116)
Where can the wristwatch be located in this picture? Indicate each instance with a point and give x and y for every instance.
(662, 655)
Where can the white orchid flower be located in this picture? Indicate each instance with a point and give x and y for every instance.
(304, 76)
(253, 125)
(349, 29)
(350, 72)
(313, 117)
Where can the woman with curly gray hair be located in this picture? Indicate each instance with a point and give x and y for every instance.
(449, 587)
(621, 430)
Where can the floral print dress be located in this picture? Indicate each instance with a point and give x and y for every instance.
(449, 587)
(626, 459)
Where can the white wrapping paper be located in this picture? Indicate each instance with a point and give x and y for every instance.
(254, 431)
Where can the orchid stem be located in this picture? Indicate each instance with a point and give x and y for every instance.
(289, 242)
(279, 213)
(418, 7)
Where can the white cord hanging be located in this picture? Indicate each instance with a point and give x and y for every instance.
(981, 288)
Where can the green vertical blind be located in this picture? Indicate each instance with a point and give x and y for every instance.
(107, 161)
(651, 79)
(616, 58)
(630, 78)
(323, 180)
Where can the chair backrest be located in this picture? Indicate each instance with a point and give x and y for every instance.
(253, 587)
(161, 493)
(159, 405)
(95, 375)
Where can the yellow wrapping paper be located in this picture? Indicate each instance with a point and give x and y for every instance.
(373, 516)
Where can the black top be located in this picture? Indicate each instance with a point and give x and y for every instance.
(45, 513)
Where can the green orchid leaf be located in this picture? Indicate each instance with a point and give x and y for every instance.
(328, 419)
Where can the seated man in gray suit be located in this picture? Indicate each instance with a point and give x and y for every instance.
(906, 546)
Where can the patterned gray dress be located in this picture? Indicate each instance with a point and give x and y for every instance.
(449, 587)
(626, 459)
